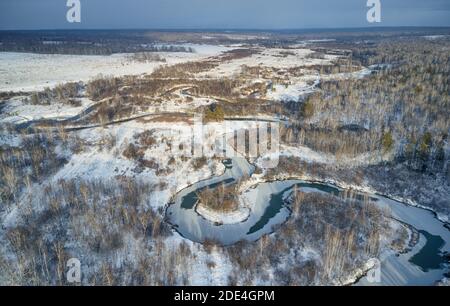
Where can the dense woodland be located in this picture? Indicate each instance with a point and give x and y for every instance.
(405, 108)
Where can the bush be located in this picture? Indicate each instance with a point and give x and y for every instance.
(214, 113)
(307, 109)
(102, 88)
(146, 138)
(387, 142)
(133, 152)
(199, 162)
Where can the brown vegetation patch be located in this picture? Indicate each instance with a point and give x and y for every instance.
(221, 199)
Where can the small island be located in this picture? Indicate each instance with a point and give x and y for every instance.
(222, 205)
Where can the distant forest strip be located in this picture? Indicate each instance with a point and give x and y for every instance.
(87, 48)
(97, 42)
(84, 42)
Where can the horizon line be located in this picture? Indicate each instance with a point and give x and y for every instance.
(168, 29)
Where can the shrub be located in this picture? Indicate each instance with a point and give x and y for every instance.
(387, 142)
(307, 109)
(146, 138)
(199, 162)
(133, 152)
(214, 113)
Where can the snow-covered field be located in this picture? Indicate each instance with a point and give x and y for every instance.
(270, 58)
(31, 72)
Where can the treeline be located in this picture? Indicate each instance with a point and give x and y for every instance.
(67, 93)
(224, 88)
(87, 47)
(337, 142)
(182, 70)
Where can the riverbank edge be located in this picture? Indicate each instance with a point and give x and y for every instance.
(259, 178)
(241, 214)
(361, 272)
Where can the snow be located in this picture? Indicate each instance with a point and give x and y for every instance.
(395, 269)
(268, 58)
(205, 269)
(434, 37)
(398, 270)
(17, 110)
(214, 268)
(32, 72)
(94, 165)
(180, 105)
(97, 163)
(290, 92)
(215, 275)
(12, 140)
(232, 217)
(311, 156)
(362, 73)
(24, 72)
(208, 50)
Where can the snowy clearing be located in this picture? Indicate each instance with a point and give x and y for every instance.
(31, 72)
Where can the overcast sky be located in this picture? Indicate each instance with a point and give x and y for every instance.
(224, 14)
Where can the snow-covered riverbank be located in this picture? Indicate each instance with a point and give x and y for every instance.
(221, 218)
